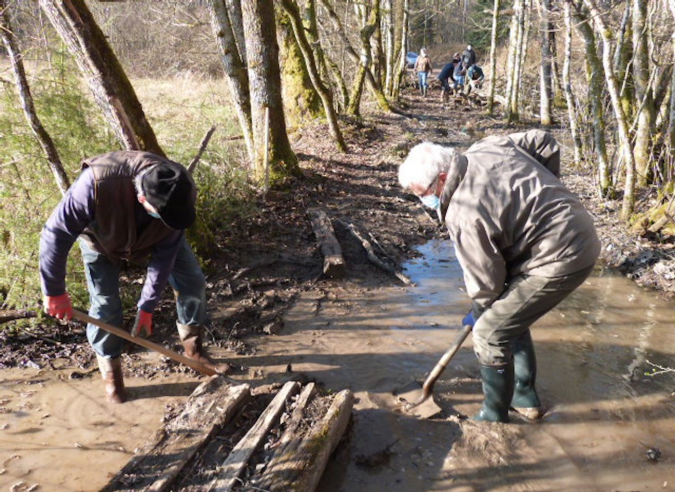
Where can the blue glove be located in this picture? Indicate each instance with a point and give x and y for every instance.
(469, 319)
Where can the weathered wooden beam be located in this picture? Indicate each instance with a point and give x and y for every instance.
(333, 263)
(212, 405)
(238, 458)
(299, 465)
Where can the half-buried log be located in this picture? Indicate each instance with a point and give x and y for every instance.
(212, 405)
(298, 466)
(333, 263)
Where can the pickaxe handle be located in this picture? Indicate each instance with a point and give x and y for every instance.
(197, 366)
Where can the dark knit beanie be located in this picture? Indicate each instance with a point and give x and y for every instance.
(169, 188)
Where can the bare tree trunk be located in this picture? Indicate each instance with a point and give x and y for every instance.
(569, 95)
(264, 77)
(519, 62)
(389, 42)
(624, 138)
(27, 104)
(671, 125)
(111, 88)
(643, 93)
(403, 48)
(545, 69)
(234, 63)
(493, 58)
(511, 70)
(325, 95)
(596, 78)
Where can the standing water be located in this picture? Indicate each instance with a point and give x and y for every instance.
(609, 426)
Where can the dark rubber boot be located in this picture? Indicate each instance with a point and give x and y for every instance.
(525, 399)
(191, 338)
(113, 379)
(497, 393)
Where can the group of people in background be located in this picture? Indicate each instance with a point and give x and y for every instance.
(462, 70)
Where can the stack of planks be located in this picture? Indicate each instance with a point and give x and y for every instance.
(221, 441)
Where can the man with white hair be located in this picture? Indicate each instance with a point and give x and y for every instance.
(524, 242)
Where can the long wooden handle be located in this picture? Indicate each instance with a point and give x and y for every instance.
(428, 386)
(197, 366)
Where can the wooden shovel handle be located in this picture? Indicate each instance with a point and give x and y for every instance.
(197, 366)
(445, 360)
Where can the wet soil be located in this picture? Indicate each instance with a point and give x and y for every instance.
(274, 315)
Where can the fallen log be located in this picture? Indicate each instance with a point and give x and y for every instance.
(333, 263)
(212, 405)
(299, 464)
(372, 256)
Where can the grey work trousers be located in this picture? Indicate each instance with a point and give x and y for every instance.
(525, 299)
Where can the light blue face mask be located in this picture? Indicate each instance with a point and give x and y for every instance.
(431, 201)
(154, 215)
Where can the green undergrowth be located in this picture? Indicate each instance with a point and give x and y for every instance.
(180, 111)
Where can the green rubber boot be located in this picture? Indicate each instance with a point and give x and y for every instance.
(497, 393)
(525, 399)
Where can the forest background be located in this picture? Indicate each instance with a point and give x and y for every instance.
(78, 78)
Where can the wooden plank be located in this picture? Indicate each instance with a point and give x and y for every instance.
(212, 405)
(299, 466)
(237, 460)
(334, 264)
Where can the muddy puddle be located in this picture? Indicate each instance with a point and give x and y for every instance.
(606, 418)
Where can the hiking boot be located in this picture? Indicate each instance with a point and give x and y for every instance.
(113, 379)
(191, 338)
(497, 393)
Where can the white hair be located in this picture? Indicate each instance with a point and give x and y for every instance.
(423, 52)
(424, 162)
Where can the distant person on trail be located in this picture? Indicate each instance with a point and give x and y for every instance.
(460, 76)
(127, 206)
(475, 76)
(423, 68)
(524, 241)
(469, 57)
(443, 76)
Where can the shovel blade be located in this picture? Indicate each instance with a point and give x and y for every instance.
(413, 402)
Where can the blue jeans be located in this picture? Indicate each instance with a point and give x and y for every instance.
(423, 79)
(103, 280)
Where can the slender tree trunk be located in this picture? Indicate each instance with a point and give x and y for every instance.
(233, 56)
(403, 48)
(569, 95)
(622, 58)
(644, 95)
(523, 41)
(389, 44)
(596, 81)
(511, 70)
(27, 104)
(613, 88)
(325, 95)
(493, 58)
(545, 69)
(264, 76)
(671, 125)
(106, 78)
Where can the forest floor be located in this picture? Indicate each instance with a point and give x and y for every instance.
(264, 264)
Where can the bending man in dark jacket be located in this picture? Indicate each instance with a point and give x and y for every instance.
(523, 240)
(126, 206)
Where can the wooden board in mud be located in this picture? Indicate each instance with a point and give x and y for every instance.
(227, 437)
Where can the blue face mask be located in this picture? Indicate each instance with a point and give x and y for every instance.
(154, 215)
(431, 201)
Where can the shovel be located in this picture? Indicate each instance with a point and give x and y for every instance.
(197, 366)
(415, 398)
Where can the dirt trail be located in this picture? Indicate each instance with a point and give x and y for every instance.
(369, 333)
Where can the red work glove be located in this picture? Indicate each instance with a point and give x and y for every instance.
(143, 324)
(59, 306)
